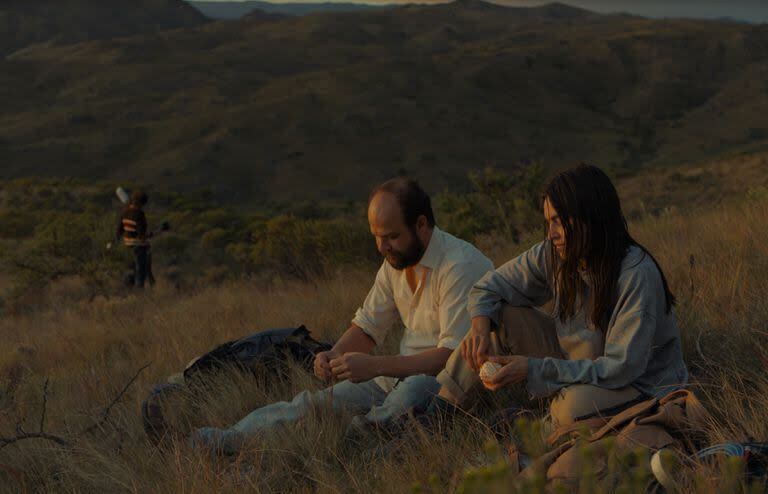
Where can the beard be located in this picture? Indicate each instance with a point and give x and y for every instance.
(407, 258)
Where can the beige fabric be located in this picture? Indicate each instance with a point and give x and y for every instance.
(531, 332)
(435, 313)
(580, 400)
(524, 331)
(651, 424)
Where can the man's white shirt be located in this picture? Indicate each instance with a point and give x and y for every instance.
(435, 314)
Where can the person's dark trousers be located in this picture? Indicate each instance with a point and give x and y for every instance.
(150, 275)
(141, 258)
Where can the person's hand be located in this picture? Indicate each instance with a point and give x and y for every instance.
(474, 347)
(515, 370)
(355, 366)
(322, 365)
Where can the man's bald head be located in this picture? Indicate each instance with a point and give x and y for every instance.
(384, 210)
(409, 196)
(401, 219)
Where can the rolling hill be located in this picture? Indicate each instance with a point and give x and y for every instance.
(236, 10)
(266, 110)
(25, 22)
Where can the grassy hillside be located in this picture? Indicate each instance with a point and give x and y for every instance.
(326, 105)
(53, 229)
(24, 22)
(88, 351)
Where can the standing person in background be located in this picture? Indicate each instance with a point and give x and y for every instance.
(132, 229)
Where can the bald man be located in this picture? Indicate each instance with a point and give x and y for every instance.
(423, 282)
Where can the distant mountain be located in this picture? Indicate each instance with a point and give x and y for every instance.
(754, 11)
(322, 106)
(236, 10)
(25, 22)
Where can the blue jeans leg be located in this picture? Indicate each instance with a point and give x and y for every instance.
(414, 393)
(344, 396)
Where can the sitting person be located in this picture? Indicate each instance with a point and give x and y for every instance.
(610, 338)
(424, 280)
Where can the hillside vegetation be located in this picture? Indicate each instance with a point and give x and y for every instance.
(714, 255)
(54, 229)
(325, 105)
(25, 22)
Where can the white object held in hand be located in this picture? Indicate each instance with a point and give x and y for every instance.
(122, 195)
(489, 369)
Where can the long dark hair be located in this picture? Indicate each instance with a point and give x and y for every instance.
(596, 240)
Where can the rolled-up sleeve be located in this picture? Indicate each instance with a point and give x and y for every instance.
(454, 287)
(378, 312)
(628, 345)
(521, 282)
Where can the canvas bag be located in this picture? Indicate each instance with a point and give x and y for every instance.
(672, 421)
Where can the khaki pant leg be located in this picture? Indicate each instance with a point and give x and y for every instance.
(582, 400)
(529, 332)
(458, 379)
(524, 331)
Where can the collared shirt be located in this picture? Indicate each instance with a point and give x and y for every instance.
(642, 346)
(435, 314)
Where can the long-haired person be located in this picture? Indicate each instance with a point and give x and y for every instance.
(608, 337)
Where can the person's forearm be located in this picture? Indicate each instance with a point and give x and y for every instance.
(481, 323)
(354, 339)
(429, 362)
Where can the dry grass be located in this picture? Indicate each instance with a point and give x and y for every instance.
(89, 351)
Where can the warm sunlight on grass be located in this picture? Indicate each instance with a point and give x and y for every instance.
(716, 260)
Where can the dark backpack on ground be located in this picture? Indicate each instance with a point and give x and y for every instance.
(259, 353)
(262, 354)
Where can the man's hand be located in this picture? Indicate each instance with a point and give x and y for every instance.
(323, 364)
(355, 366)
(475, 346)
(515, 370)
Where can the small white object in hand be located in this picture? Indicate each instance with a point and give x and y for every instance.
(489, 369)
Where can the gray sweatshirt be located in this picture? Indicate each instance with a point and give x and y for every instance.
(642, 346)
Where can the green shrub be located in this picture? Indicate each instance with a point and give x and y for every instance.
(307, 248)
(502, 203)
(65, 245)
(16, 224)
(216, 238)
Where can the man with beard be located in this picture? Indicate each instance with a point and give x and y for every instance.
(424, 281)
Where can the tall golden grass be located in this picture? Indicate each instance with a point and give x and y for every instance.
(716, 260)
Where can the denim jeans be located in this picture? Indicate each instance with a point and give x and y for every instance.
(367, 401)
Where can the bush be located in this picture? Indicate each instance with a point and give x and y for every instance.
(502, 203)
(16, 224)
(215, 239)
(67, 245)
(308, 248)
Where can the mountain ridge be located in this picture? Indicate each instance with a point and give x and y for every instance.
(323, 106)
(237, 10)
(25, 22)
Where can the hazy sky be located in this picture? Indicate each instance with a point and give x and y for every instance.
(747, 10)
